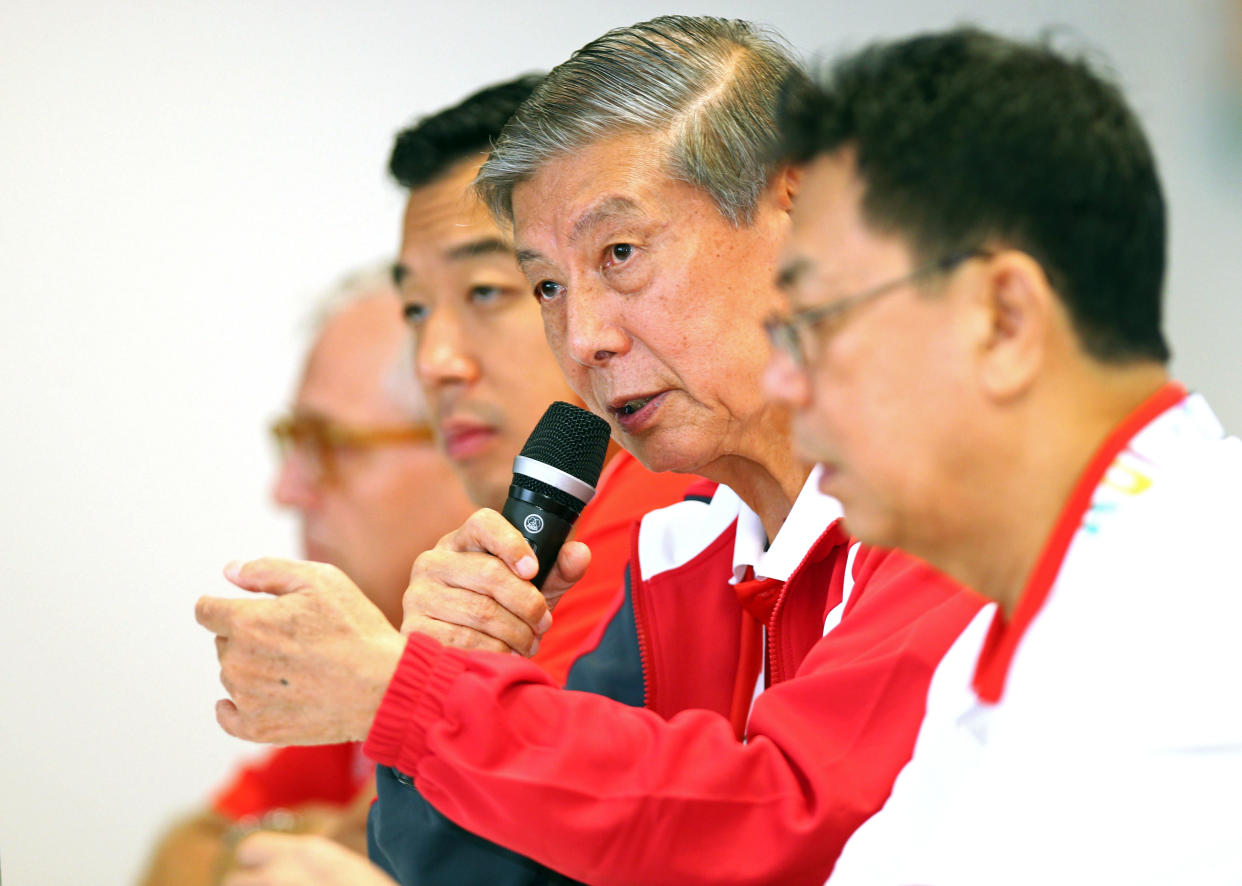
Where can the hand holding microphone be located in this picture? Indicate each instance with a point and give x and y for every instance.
(553, 479)
(474, 589)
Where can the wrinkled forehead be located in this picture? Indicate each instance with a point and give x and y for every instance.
(614, 174)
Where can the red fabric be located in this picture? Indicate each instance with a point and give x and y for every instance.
(625, 492)
(624, 795)
(288, 777)
(758, 596)
(1003, 638)
(690, 633)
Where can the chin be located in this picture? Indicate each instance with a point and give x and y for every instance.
(485, 486)
(489, 492)
(862, 522)
(661, 458)
(877, 530)
(868, 534)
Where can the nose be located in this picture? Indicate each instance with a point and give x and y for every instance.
(441, 352)
(594, 332)
(784, 381)
(295, 485)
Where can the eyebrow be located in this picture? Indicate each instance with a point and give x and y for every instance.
(609, 209)
(460, 252)
(527, 257)
(475, 248)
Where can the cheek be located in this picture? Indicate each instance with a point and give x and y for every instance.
(565, 368)
(823, 424)
(554, 333)
(579, 380)
(401, 499)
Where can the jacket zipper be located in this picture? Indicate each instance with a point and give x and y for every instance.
(637, 589)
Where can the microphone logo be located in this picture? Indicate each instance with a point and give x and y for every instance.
(533, 524)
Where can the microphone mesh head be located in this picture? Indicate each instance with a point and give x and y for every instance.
(571, 439)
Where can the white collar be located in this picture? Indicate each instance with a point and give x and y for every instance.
(812, 513)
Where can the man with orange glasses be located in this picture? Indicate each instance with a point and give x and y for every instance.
(371, 491)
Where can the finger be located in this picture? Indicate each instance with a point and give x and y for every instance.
(488, 532)
(459, 637)
(477, 573)
(571, 564)
(473, 613)
(273, 575)
(230, 719)
(229, 686)
(216, 614)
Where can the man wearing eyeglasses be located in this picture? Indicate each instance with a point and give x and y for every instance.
(359, 462)
(976, 358)
(780, 665)
(360, 467)
(487, 375)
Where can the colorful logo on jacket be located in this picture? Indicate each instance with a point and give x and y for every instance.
(1123, 478)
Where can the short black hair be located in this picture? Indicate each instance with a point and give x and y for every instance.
(430, 147)
(964, 139)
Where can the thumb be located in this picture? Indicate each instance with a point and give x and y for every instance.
(272, 575)
(571, 565)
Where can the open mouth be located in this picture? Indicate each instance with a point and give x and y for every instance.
(635, 413)
(632, 406)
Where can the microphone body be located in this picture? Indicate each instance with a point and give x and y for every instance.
(554, 478)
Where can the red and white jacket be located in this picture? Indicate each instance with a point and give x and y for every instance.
(1095, 737)
(698, 786)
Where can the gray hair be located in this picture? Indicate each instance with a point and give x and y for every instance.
(364, 281)
(708, 87)
(400, 383)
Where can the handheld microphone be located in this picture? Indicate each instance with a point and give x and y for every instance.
(553, 479)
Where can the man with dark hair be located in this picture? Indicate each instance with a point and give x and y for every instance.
(428, 149)
(488, 375)
(781, 667)
(975, 274)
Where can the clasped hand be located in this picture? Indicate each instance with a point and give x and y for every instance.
(310, 664)
(473, 590)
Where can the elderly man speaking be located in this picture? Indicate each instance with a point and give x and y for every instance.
(648, 217)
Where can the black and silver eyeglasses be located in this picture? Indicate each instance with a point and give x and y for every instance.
(790, 333)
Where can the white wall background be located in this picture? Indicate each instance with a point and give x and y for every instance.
(177, 179)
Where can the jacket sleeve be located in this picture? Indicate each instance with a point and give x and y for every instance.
(607, 793)
(406, 835)
(414, 843)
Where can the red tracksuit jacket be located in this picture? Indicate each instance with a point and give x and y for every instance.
(671, 793)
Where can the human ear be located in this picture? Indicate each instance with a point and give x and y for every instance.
(1017, 305)
(784, 186)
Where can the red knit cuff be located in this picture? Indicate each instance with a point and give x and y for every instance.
(412, 703)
